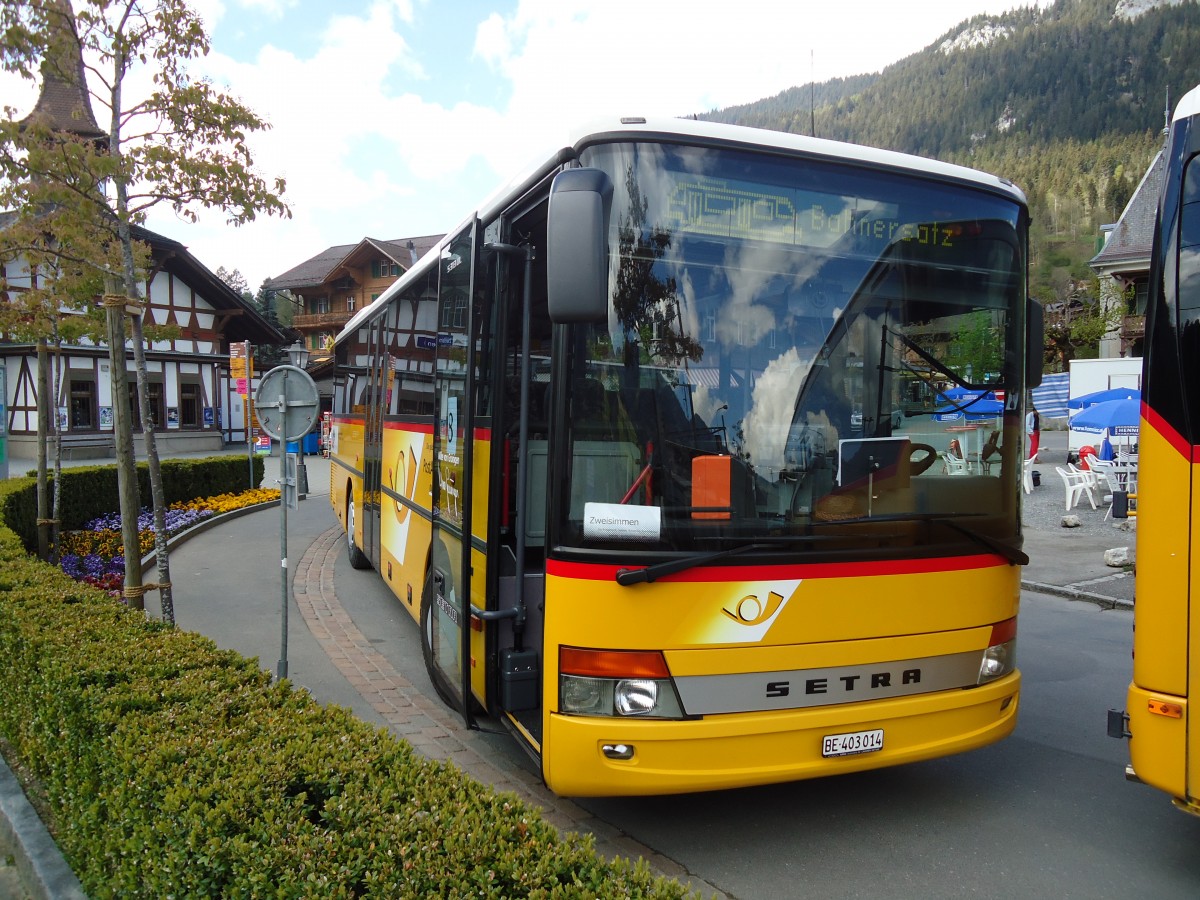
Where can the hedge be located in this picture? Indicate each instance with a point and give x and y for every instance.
(91, 491)
(174, 768)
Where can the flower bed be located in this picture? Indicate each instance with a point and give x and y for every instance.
(94, 554)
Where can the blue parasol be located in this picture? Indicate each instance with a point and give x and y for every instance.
(1095, 397)
(982, 408)
(1115, 416)
(957, 394)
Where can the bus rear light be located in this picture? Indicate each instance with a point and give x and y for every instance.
(1000, 657)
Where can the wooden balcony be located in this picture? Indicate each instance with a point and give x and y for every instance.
(1133, 328)
(324, 320)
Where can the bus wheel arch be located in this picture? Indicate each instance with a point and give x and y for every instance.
(358, 559)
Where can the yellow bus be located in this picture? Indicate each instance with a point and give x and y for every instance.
(1164, 739)
(629, 445)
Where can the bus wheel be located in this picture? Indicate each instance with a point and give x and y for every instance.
(358, 559)
(449, 697)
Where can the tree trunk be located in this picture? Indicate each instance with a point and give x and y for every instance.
(123, 435)
(56, 502)
(43, 420)
(157, 495)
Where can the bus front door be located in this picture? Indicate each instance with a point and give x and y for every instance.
(446, 604)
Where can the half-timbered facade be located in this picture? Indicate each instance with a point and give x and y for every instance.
(195, 405)
(192, 401)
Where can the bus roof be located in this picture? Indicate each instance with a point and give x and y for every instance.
(1188, 106)
(692, 131)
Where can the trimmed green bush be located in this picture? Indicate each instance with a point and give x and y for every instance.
(175, 768)
(91, 491)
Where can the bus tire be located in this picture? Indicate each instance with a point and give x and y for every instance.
(358, 559)
(448, 696)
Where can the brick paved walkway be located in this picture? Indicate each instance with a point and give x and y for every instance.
(431, 728)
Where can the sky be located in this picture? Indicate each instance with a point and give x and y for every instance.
(396, 118)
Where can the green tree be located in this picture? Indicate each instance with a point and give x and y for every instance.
(235, 280)
(183, 144)
(1080, 322)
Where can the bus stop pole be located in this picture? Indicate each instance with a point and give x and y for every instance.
(282, 668)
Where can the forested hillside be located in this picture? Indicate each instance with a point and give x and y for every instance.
(1068, 102)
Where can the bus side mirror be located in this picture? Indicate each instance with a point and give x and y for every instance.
(1035, 342)
(577, 246)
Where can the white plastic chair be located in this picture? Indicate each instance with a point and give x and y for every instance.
(1076, 483)
(1027, 474)
(953, 461)
(954, 465)
(1103, 470)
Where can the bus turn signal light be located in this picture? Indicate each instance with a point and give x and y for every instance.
(612, 663)
(1162, 708)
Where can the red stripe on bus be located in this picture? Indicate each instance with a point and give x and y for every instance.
(607, 572)
(347, 420)
(1177, 441)
(418, 427)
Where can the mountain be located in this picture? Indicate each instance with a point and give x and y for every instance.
(1068, 101)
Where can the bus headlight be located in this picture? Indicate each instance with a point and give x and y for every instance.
(591, 684)
(636, 698)
(586, 696)
(1000, 657)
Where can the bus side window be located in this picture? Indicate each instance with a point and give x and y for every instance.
(1189, 239)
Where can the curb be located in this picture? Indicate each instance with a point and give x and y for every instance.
(1071, 593)
(150, 559)
(43, 868)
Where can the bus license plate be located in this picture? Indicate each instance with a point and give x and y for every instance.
(852, 743)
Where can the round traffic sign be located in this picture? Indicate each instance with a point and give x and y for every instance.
(287, 403)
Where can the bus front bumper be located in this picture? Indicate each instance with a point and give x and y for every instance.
(745, 749)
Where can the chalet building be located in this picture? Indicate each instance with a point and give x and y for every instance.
(1123, 265)
(336, 283)
(193, 402)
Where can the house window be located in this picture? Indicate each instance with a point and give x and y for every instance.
(322, 305)
(83, 404)
(158, 413)
(350, 304)
(190, 400)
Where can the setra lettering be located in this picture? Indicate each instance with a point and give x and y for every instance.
(850, 684)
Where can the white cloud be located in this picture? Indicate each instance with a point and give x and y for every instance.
(372, 141)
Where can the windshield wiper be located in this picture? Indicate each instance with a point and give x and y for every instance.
(626, 577)
(1014, 556)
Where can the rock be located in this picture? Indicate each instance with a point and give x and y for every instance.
(1070, 522)
(1118, 557)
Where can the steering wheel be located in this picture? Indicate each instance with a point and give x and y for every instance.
(919, 465)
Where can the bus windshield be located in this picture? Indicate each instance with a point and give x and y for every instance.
(798, 351)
